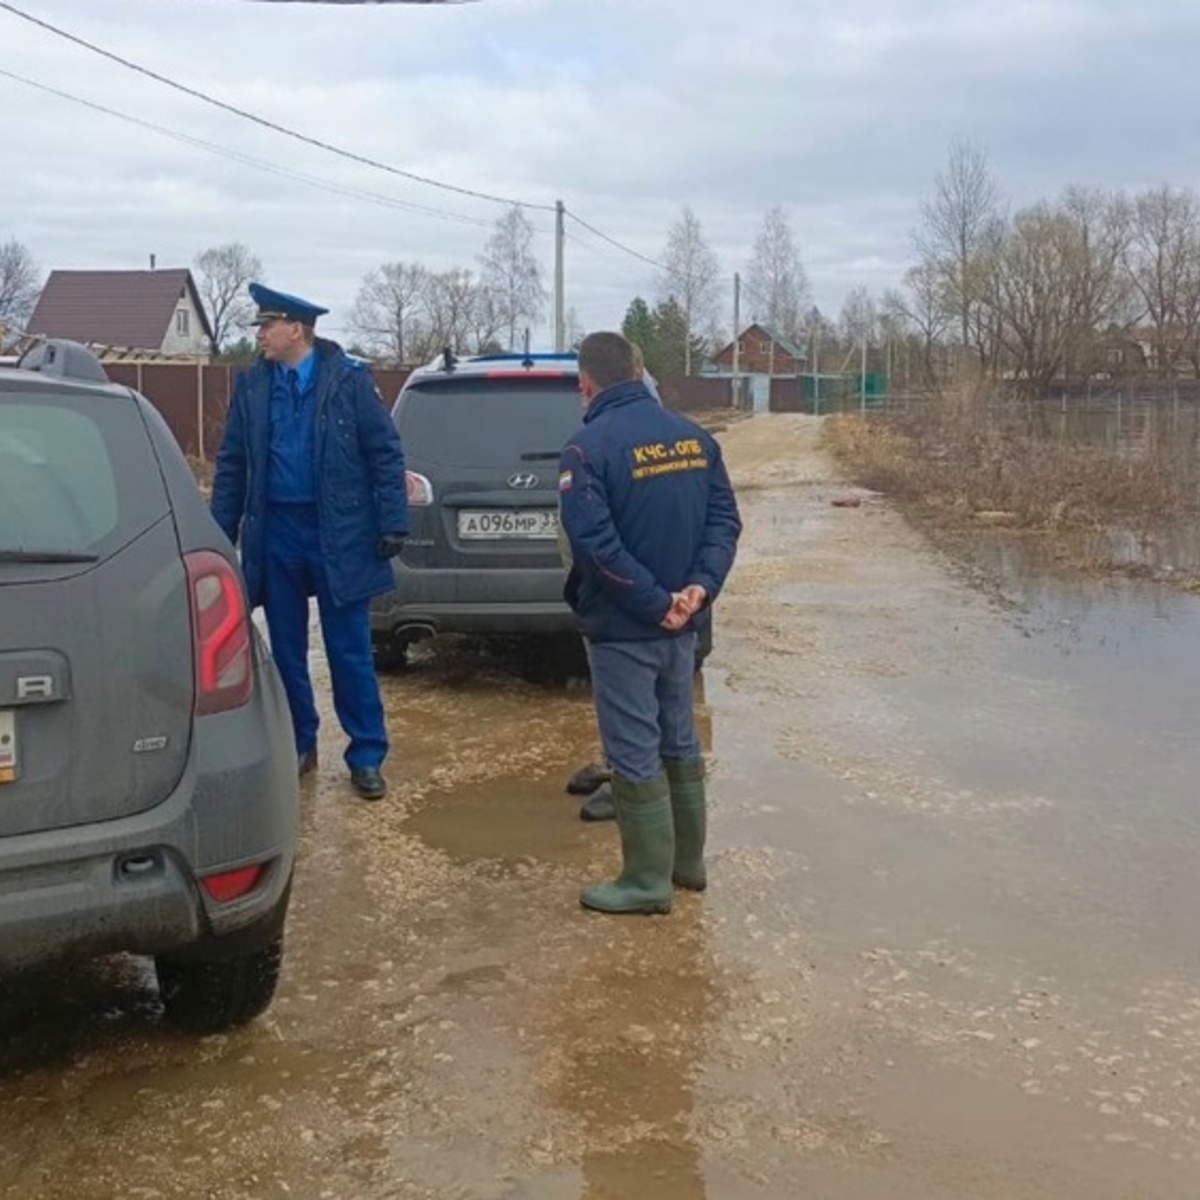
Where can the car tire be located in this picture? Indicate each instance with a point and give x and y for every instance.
(391, 655)
(569, 655)
(208, 997)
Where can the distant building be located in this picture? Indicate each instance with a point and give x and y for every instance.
(151, 313)
(762, 350)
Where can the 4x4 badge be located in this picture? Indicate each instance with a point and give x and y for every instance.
(523, 479)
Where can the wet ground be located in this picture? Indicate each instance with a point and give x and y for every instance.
(948, 949)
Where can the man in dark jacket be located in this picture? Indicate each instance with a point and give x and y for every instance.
(310, 478)
(653, 527)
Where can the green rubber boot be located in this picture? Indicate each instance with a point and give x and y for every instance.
(647, 850)
(686, 780)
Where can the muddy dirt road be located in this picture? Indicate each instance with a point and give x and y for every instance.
(948, 950)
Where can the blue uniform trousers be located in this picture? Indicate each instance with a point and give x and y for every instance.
(294, 571)
(643, 697)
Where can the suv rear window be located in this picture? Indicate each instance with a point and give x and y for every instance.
(77, 473)
(484, 422)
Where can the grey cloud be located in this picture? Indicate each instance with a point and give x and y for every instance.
(842, 112)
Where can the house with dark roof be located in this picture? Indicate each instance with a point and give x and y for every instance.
(762, 350)
(151, 313)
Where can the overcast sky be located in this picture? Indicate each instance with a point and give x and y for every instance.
(842, 112)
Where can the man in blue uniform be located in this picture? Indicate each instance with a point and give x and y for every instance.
(653, 527)
(310, 476)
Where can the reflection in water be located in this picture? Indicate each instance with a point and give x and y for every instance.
(627, 1034)
(1162, 428)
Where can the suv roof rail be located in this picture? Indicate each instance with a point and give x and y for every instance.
(531, 358)
(65, 360)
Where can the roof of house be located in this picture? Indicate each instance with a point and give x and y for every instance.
(120, 308)
(785, 344)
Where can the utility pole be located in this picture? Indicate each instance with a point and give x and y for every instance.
(737, 333)
(560, 323)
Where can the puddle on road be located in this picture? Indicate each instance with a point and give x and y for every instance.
(506, 821)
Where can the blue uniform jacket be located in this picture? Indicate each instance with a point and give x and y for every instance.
(359, 469)
(648, 508)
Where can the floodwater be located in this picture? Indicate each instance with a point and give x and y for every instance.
(947, 950)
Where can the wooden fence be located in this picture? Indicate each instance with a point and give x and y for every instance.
(194, 398)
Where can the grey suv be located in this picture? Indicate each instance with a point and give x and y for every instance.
(148, 791)
(482, 440)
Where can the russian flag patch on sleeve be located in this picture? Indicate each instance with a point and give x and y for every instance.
(565, 480)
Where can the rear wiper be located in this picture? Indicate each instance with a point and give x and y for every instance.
(541, 455)
(46, 556)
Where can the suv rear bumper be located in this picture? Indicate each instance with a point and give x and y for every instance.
(472, 601)
(133, 884)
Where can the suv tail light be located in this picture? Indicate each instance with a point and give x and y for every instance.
(418, 489)
(220, 634)
(232, 885)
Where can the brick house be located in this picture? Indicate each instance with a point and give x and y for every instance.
(762, 350)
(156, 313)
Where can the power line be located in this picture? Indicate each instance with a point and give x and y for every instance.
(263, 121)
(619, 245)
(6, 6)
(248, 160)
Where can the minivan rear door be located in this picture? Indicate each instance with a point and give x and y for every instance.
(96, 676)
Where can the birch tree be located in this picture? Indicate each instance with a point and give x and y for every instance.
(222, 274)
(20, 284)
(512, 275)
(776, 283)
(690, 279)
(959, 229)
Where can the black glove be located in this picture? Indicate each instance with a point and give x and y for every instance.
(390, 545)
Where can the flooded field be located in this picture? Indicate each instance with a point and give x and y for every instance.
(946, 951)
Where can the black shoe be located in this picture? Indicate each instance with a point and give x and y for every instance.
(587, 779)
(599, 805)
(368, 783)
(308, 762)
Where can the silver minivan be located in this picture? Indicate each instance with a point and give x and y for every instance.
(148, 790)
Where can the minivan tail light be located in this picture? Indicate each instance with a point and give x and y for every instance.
(418, 489)
(221, 646)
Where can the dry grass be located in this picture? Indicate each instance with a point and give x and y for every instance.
(203, 471)
(984, 458)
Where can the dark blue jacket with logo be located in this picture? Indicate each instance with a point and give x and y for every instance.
(648, 508)
(358, 466)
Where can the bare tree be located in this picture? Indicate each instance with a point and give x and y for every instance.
(960, 224)
(511, 274)
(1030, 293)
(1102, 296)
(222, 273)
(575, 332)
(925, 304)
(458, 311)
(389, 314)
(690, 278)
(1163, 264)
(859, 320)
(20, 284)
(776, 283)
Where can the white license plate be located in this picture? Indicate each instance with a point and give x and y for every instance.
(500, 524)
(8, 745)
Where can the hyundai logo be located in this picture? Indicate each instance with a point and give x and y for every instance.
(523, 479)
